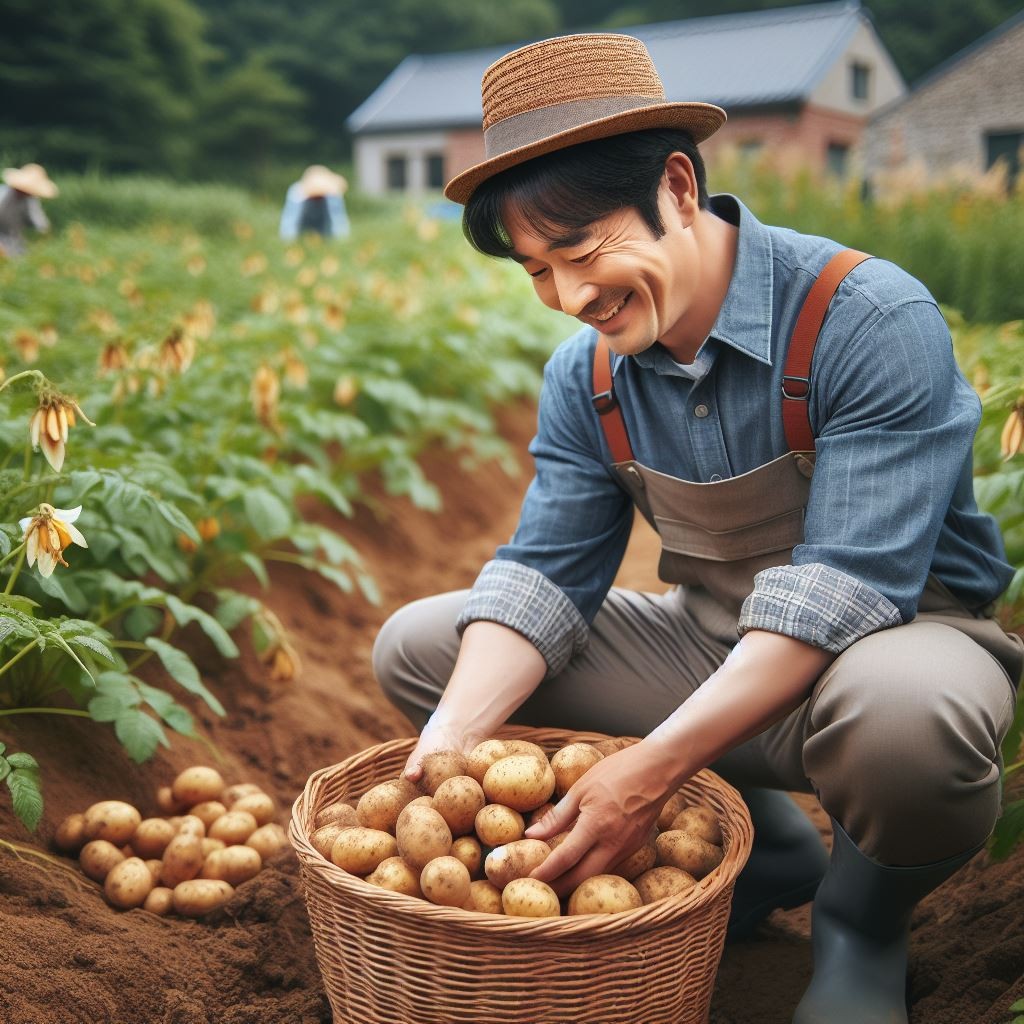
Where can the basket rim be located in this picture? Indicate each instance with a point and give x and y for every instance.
(649, 915)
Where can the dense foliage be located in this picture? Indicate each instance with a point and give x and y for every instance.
(226, 87)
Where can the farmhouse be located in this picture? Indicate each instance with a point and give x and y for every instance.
(805, 78)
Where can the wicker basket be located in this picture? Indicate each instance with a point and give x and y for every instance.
(392, 959)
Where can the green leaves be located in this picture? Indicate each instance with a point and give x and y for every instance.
(21, 773)
(268, 515)
(1009, 831)
(181, 669)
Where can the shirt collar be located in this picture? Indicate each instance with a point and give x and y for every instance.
(745, 320)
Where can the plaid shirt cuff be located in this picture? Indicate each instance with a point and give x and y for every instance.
(527, 601)
(817, 604)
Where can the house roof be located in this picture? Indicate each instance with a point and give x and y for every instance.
(734, 60)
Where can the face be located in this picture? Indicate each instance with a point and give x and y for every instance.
(615, 275)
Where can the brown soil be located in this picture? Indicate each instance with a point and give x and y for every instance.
(66, 957)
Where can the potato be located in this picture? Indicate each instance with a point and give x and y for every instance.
(259, 805)
(233, 827)
(614, 745)
(570, 763)
(525, 747)
(199, 896)
(445, 881)
(230, 794)
(209, 845)
(639, 861)
(196, 785)
(98, 857)
(268, 840)
(380, 806)
(482, 756)
(514, 860)
(689, 852)
(152, 836)
(658, 883)
(207, 812)
(458, 800)
(233, 864)
(521, 782)
(467, 849)
(675, 803)
(323, 838)
(166, 802)
(192, 825)
(160, 901)
(484, 898)
(156, 868)
(604, 894)
(438, 766)
(113, 820)
(698, 820)
(128, 884)
(497, 824)
(359, 850)
(529, 897)
(342, 813)
(70, 834)
(394, 874)
(422, 835)
(183, 860)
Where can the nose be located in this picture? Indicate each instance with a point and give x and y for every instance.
(574, 293)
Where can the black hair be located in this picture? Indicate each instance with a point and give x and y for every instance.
(571, 188)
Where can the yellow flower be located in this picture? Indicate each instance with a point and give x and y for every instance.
(27, 344)
(283, 661)
(1011, 442)
(49, 425)
(114, 357)
(196, 265)
(345, 390)
(177, 351)
(48, 533)
(266, 390)
(208, 527)
(296, 373)
(256, 263)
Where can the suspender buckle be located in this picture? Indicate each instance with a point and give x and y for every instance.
(802, 386)
(605, 402)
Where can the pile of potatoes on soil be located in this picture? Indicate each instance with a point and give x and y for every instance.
(213, 838)
(455, 838)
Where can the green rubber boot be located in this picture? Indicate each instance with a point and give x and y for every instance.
(860, 927)
(786, 864)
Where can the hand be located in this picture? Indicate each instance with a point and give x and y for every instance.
(614, 807)
(437, 734)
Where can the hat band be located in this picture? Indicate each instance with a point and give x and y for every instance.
(542, 122)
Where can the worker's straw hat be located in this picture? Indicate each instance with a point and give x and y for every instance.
(318, 181)
(571, 89)
(31, 179)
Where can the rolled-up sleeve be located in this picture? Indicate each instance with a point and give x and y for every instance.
(895, 422)
(549, 581)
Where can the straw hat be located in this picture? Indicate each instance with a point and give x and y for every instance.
(571, 89)
(31, 179)
(318, 181)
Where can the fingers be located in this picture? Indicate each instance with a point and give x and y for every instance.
(564, 857)
(558, 819)
(566, 868)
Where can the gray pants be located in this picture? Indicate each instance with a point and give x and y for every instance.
(899, 738)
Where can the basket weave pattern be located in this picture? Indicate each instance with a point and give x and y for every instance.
(392, 959)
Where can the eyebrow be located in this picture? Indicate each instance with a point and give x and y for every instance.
(569, 240)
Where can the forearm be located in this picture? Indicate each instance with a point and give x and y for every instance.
(766, 676)
(496, 670)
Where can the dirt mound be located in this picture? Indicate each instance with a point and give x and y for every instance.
(67, 958)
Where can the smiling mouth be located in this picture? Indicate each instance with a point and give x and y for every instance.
(614, 311)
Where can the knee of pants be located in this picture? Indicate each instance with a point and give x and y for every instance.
(902, 743)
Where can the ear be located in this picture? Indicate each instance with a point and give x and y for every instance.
(680, 183)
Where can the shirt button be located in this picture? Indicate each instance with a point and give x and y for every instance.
(716, 479)
(701, 411)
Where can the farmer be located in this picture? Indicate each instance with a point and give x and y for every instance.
(830, 630)
(315, 204)
(20, 207)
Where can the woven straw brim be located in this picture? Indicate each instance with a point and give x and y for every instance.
(701, 120)
(386, 957)
(30, 184)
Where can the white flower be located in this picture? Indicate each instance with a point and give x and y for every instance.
(48, 533)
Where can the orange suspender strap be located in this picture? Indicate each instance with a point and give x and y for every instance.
(796, 379)
(607, 405)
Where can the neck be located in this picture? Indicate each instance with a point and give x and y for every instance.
(715, 241)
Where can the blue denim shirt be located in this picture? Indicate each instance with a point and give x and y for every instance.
(891, 498)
